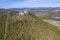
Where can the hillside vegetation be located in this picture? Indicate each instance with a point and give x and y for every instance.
(25, 27)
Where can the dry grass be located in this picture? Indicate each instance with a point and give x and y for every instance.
(27, 27)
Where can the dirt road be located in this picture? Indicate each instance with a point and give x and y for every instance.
(56, 23)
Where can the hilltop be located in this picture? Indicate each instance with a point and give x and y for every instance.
(14, 26)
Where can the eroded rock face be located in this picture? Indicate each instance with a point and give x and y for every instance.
(26, 12)
(57, 17)
(23, 12)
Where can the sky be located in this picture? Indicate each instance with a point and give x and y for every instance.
(29, 3)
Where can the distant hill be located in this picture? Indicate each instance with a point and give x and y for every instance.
(37, 9)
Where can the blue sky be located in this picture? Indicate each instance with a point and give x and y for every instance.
(29, 3)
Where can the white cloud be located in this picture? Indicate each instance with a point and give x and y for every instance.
(33, 3)
(27, 3)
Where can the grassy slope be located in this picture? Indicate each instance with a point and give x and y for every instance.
(52, 27)
(26, 27)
